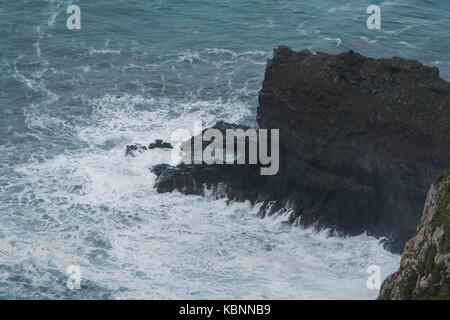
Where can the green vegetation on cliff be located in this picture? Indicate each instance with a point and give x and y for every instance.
(425, 268)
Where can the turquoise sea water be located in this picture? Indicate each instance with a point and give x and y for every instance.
(70, 100)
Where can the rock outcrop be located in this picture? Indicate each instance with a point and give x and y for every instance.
(134, 149)
(363, 138)
(236, 182)
(360, 142)
(160, 144)
(425, 266)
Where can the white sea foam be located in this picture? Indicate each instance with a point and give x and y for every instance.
(368, 40)
(104, 51)
(336, 41)
(404, 43)
(98, 209)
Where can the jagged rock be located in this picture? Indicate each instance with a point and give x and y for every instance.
(237, 182)
(160, 144)
(425, 266)
(360, 142)
(132, 149)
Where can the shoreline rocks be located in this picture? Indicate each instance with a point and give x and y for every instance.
(361, 140)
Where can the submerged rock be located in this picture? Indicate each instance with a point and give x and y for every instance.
(425, 266)
(360, 142)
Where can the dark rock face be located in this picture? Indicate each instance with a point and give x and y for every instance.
(425, 267)
(360, 142)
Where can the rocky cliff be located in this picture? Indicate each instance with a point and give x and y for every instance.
(425, 266)
(363, 138)
(360, 142)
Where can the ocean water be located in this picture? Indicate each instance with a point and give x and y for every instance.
(70, 100)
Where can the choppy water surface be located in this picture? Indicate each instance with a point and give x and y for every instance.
(71, 100)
